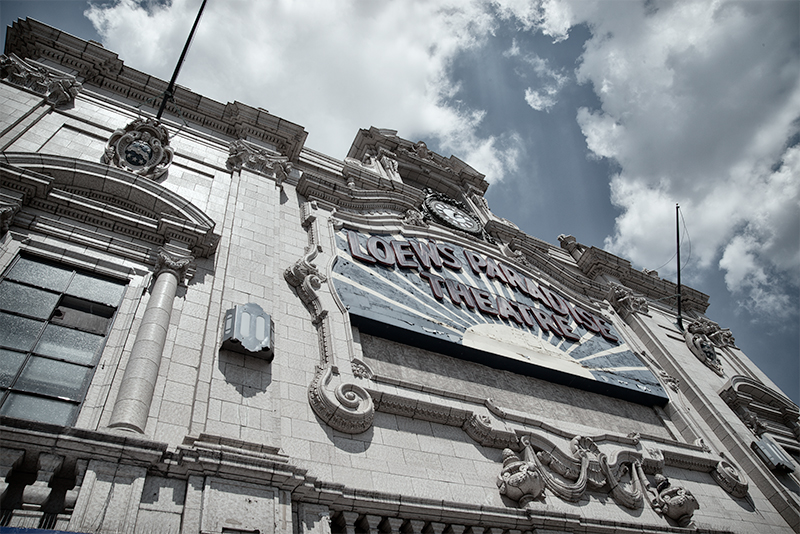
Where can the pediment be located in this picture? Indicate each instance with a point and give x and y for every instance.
(108, 198)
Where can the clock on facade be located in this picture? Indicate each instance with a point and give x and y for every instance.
(453, 216)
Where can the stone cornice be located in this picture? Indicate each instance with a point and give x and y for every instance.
(595, 262)
(417, 164)
(102, 68)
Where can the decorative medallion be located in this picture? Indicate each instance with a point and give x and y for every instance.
(142, 147)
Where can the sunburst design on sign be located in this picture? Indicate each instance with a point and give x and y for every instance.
(400, 303)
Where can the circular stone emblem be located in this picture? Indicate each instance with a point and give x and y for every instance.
(138, 153)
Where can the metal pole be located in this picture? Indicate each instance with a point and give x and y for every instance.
(678, 231)
(171, 86)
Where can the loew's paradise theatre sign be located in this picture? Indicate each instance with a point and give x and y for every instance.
(449, 299)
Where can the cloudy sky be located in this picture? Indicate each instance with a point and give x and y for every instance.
(590, 118)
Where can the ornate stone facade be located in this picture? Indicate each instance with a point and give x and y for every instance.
(433, 370)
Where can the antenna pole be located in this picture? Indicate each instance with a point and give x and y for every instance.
(171, 87)
(678, 232)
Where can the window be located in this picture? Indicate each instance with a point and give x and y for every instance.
(53, 325)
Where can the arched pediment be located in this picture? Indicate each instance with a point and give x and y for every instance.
(106, 197)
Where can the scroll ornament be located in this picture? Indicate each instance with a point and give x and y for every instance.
(304, 275)
(141, 147)
(526, 480)
(346, 407)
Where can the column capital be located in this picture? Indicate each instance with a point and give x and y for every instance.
(177, 262)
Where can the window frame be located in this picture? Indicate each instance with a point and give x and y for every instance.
(31, 355)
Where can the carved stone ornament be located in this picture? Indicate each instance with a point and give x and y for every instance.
(181, 265)
(304, 275)
(242, 154)
(675, 502)
(519, 481)
(526, 480)
(59, 90)
(626, 301)
(7, 212)
(414, 218)
(730, 478)
(346, 407)
(142, 147)
(721, 337)
(703, 349)
(669, 380)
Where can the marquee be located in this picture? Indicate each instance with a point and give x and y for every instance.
(450, 299)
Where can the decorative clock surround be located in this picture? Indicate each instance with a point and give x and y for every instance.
(445, 210)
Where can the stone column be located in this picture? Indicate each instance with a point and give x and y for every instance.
(139, 381)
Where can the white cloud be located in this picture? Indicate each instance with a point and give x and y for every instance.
(333, 67)
(698, 102)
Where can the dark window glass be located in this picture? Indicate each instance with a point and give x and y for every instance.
(36, 408)
(10, 363)
(18, 332)
(53, 323)
(40, 274)
(27, 300)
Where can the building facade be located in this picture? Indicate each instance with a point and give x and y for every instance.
(206, 326)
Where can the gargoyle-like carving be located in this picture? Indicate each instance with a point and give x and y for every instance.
(626, 301)
(519, 481)
(59, 90)
(141, 147)
(721, 337)
(305, 276)
(242, 154)
(414, 218)
(675, 502)
(702, 347)
(348, 408)
(669, 380)
(730, 478)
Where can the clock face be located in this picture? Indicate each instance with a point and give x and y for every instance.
(454, 216)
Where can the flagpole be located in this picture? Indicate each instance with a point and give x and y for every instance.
(678, 238)
(171, 86)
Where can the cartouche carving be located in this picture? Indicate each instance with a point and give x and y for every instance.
(141, 147)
